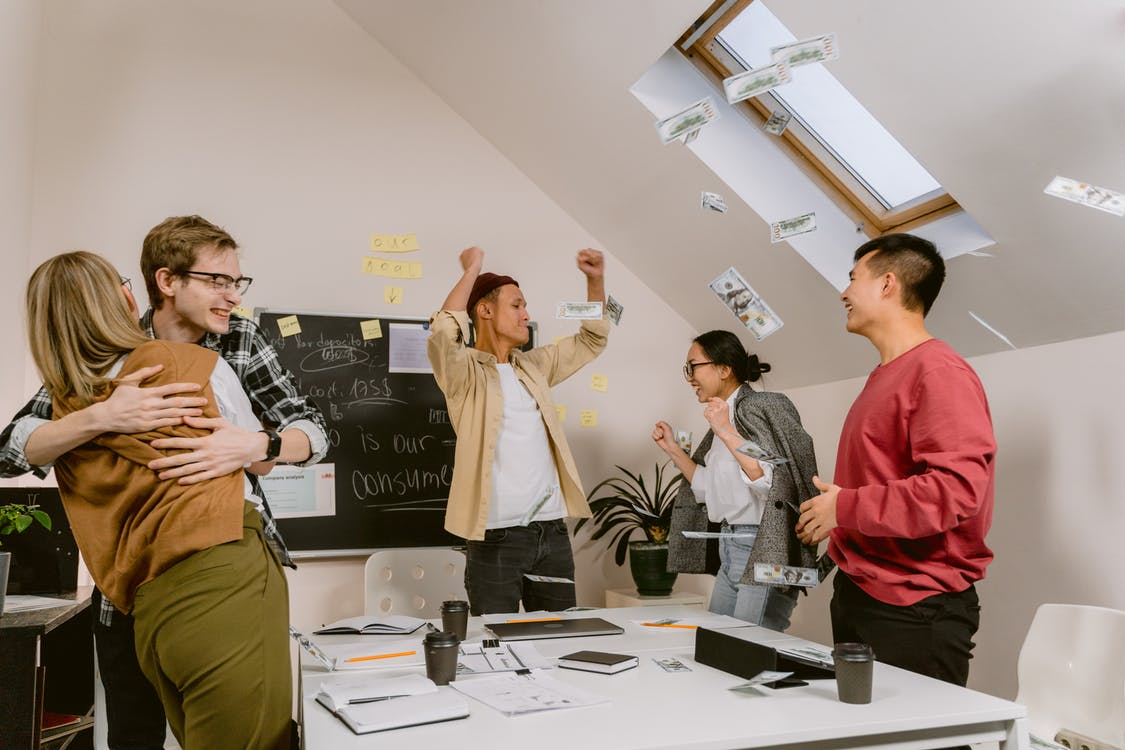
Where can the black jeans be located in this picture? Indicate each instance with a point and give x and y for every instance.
(495, 569)
(933, 637)
(134, 714)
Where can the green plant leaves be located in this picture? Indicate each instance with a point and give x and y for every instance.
(627, 504)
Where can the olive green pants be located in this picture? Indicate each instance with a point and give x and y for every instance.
(212, 637)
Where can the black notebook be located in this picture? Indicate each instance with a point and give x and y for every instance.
(598, 661)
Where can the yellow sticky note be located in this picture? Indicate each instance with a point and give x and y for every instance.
(588, 418)
(371, 329)
(600, 383)
(245, 312)
(289, 325)
(560, 409)
(394, 243)
(374, 266)
(392, 295)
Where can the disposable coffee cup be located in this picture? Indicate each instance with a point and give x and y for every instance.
(455, 617)
(441, 656)
(854, 666)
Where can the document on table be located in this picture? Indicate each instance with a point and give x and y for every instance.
(520, 693)
(373, 654)
(698, 621)
(496, 656)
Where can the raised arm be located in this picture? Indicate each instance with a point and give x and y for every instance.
(472, 259)
(592, 264)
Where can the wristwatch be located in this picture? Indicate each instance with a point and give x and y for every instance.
(273, 447)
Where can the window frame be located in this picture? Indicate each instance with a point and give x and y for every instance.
(807, 152)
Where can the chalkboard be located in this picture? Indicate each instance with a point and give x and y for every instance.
(389, 434)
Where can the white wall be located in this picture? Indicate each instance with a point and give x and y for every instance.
(291, 127)
(19, 44)
(1059, 420)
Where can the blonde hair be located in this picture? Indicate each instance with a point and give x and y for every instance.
(78, 324)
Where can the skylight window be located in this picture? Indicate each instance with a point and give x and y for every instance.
(831, 114)
(830, 128)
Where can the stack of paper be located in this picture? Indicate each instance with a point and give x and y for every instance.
(514, 693)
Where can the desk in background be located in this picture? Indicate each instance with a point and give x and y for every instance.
(652, 708)
(56, 646)
(630, 598)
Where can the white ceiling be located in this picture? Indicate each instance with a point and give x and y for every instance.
(994, 98)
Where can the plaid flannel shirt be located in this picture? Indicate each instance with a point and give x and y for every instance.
(272, 392)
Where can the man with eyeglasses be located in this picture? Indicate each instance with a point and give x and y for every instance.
(192, 275)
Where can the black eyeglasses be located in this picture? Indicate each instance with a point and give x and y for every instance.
(689, 368)
(125, 282)
(222, 282)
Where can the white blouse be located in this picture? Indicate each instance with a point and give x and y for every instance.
(725, 489)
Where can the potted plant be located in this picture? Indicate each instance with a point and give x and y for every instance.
(627, 504)
(15, 518)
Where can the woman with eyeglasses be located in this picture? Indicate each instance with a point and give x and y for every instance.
(189, 561)
(753, 502)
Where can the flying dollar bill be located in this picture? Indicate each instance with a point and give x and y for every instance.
(613, 310)
(778, 122)
(741, 299)
(1093, 196)
(786, 228)
(579, 311)
(760, 454)
(755, 82)
(762, 678)
(713, 201)
(687, 121)
(807, 51)
(785, 575)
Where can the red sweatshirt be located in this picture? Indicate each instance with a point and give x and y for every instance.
(917, 466)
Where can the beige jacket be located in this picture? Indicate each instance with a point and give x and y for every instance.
(471, 384)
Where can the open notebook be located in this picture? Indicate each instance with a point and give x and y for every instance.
(375, 704)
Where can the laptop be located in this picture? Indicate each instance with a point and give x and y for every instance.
(570, 628)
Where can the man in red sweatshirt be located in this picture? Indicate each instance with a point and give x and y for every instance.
(914, 477)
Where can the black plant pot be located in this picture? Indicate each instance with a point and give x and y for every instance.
(649, 563)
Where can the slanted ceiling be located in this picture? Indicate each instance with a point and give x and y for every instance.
(994, 98)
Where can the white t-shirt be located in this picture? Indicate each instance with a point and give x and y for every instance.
(523, 469)
(725, 489)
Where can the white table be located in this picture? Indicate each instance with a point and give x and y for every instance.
(652, 708)
(630, 598)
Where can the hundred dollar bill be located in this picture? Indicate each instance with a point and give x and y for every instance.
(816, 654)
(691, 136)
(760, 454)
(683, 439)
(713, 201)
(778, 122)
(807, 51)
(579, 311)
(733, 291)
(755, 82)
(1093, 196)
(785, 575)
(687, 121)
(786, 228)
(613, 310)
(1038, 743)
(547, 579)
(762, 678)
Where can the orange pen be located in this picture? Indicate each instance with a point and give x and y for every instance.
(381, 656)
(668, 625)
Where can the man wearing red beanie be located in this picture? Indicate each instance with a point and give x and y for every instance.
(514, 480)
(915, 473)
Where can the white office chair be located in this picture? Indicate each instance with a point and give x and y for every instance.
(1072, 672)
(413, 580)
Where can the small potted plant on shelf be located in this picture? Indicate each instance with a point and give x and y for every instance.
(627, 504)
(15, 518)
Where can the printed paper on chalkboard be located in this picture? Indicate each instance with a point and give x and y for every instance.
(407, 351)
(300, 492)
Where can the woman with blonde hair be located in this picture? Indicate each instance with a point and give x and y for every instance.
(188, 560)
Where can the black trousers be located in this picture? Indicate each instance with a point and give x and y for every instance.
(134, 714)
(933, 637)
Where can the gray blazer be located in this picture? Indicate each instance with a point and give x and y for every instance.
(771, 421)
